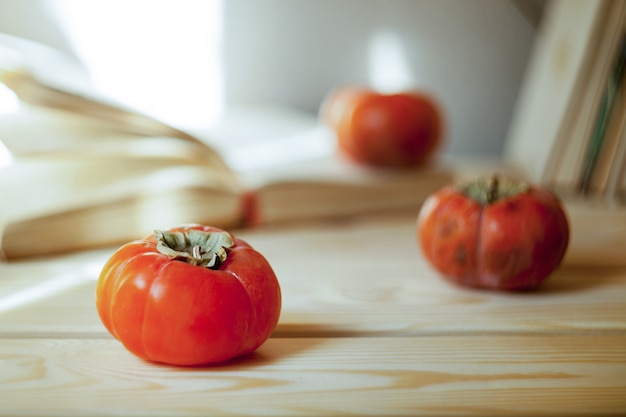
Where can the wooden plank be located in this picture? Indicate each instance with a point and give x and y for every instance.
(342, 279)
(516, 375)
(598, 233)
(577, 300)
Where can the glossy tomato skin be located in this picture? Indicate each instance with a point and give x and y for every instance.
(514, 243)
(169, 311)
(389, 130)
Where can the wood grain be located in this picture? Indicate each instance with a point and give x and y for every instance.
(352, 278)
(367, 328)
(339, 376)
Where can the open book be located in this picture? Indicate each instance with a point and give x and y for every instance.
(84, 172)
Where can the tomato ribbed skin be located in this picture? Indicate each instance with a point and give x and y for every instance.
(513, 243)
(166, 310)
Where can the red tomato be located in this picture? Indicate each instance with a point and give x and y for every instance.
(393, 130)
(188, 296)
(496, 233)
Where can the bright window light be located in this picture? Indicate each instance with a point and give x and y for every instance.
(5, 156)
(160, 56)
(9, 103)
(389, 68)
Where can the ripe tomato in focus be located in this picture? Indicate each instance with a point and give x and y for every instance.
(389, 130)
(497, 233)
(189, 295)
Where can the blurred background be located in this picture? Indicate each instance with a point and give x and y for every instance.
(186, 61)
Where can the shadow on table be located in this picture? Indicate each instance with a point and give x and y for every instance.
(582, 278)
(272, 351)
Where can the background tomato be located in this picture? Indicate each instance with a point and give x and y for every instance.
(190, 295)
(496, 233)
(403, 129)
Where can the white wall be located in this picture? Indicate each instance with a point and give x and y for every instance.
(470, 53)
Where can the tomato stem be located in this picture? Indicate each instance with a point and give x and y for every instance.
(492, 193)
(196, 247)
(490, 190)
(196, 252)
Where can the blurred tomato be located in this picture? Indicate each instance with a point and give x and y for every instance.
(497, 233)
(393, 130)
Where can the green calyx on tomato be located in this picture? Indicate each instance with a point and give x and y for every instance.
(489, 190)
(196, 247)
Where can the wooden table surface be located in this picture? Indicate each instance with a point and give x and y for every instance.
(370, 330)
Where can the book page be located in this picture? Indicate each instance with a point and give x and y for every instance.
(553, 81)
(576, 140)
